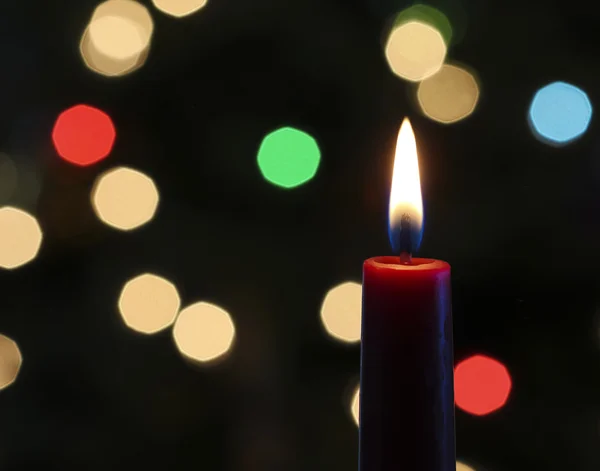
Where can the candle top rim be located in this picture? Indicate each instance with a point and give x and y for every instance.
(390, 262)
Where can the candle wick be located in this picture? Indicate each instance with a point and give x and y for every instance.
(405, 258)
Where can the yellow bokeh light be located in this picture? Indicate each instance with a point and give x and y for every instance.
(108, 66)
(450, 95)
(120, 29)
(10, 361)
(341, 312)
(463, 467)
(20, 237)
(203, 332)
(179, 8)
(355, 405)
(125, 198)
(149, 303)
(415, 51)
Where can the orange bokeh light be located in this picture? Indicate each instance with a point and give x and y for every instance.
(83, 135)
(481, 385)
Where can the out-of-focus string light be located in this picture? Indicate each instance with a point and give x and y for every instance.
(341, 312)
(450, 95)
(179, 8)
(355, 405)
(482, 385)
(83, 135)
(10, 361)
(120, 29)
(415, 50)
(124, 198)
(20, 237)
(103, 64)
(427, 15)
(149, 303)
(288, 157)
(463, 467)
(559, 113)
(203, 332)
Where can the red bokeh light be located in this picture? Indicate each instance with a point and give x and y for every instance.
(83, 135)
(481, 385)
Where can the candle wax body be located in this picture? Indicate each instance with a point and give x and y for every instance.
(406, 382)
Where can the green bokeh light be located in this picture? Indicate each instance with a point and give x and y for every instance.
(288, 157)
(428, 15)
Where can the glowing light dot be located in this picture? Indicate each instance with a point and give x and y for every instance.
(463, 467)
(203, 332)
(125, 198)
(179, 8)
(20, 237)
(355, 405)
(415, 51)
(149, 303)
(103, 64)
(83, 135)
(341, 312)
(559, 113)
(450, 95)
(481, 385)
(427, 15)
(288, 157)
(10, 361)
(120, 29)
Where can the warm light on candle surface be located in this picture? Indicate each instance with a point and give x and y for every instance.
(406, 203)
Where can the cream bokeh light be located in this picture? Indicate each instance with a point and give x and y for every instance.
(415, 51)
(203, 332)
(341, 312)
(355, 405)
(450, 95)
(103, 64)
(20, 237)
(463, 467)
(149, 303)
(10, 361)
(125, 198)
(179, 8)
(120, 29)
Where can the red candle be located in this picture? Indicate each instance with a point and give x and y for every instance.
(406, 382)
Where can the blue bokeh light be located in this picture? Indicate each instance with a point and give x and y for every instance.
(559, 113)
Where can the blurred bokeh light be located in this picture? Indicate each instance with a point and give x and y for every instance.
(179, 8)
(559, 113)
(149, 303)
(450, 95)
(427, 15)
(355, 405)
(415, 51)
(125, 198)
(83, 135)
(288, 157)
(20, 237)
(120, 29)
(341, 312)
(8, 178)
(481, 385)
(103, 64)
(463, 467)
(203, 332)
(10, 361)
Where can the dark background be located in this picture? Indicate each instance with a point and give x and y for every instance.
(517, 220)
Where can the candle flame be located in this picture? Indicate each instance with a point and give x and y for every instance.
(406, 203)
